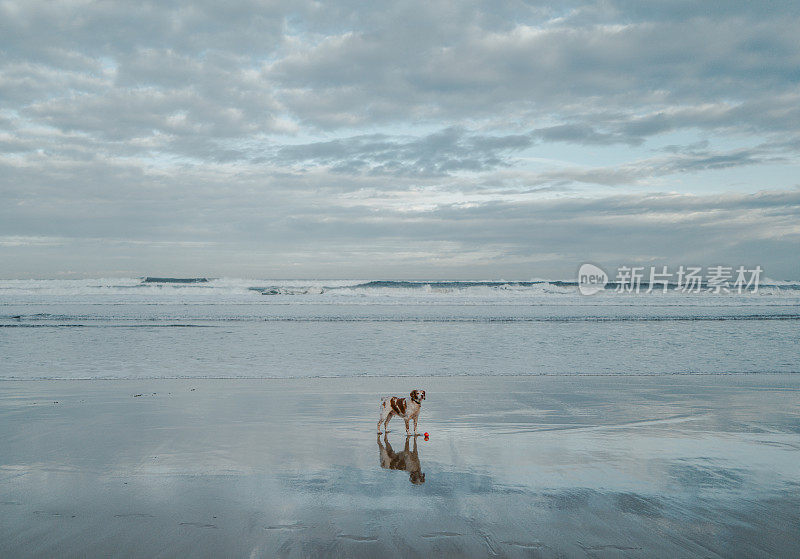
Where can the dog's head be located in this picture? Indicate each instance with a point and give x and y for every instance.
(418, 395)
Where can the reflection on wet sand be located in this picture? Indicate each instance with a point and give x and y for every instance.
(407, 460)
(635, 467)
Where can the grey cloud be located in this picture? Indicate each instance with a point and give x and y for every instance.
(668, 229)
(121, 72)
(687, 148)
(472, 127)
(454, 149)
(49, 196)
(439, 153)
(223, 106)
(113, 27)
(778, 113)
(681, 10)
(454, 161)
(24, 81)
(515, 235)
(775, 114)
(683, 161)
(539, 67)
(342, 65)
(584, 134)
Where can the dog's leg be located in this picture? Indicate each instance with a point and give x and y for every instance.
(415, 424)
(386, 423)
(406, 419)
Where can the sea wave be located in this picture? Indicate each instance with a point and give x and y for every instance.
(167, 286)
(431, 375)
(154, 290)
(121, 321)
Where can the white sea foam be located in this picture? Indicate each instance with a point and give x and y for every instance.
(237, 328)
(355, 291)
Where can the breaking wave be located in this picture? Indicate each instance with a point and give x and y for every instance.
(236, 286)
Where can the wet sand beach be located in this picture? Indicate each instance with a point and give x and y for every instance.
(538, 466)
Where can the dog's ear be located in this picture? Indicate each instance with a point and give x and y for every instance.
(423, 394)
(413, 394)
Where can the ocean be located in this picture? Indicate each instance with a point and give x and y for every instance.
(140, 328)
(237, 418)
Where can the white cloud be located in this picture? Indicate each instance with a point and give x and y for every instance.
(421, 132)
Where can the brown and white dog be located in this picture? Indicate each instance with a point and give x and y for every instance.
(408, 409)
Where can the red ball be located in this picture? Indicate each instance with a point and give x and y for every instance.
(426, 434)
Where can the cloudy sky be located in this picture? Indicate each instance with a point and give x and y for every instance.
(397, 139)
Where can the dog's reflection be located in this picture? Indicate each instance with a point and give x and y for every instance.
(407, 460)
